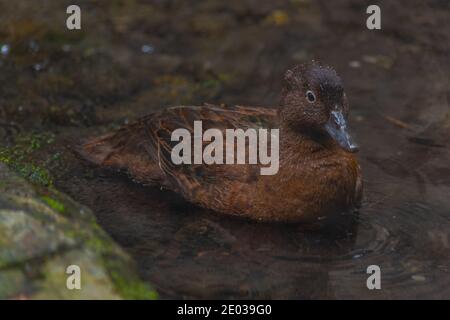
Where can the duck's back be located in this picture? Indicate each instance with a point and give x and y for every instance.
(143, 149)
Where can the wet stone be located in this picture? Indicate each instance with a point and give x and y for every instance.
(42, 232)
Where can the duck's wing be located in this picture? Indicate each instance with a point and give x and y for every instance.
(203, 181)
(123, 150)
(143, 149)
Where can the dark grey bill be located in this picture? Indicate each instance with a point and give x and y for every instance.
(337, 129)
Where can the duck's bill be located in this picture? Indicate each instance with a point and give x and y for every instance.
(337, 129)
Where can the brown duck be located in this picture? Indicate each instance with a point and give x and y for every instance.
(318, 172)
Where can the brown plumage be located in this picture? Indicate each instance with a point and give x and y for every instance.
(318, 174)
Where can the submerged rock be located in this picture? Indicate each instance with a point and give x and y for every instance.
(42, 232)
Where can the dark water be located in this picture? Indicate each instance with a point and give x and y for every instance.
(397, 83)
(187, 252)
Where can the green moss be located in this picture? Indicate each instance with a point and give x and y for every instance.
(20, 157)
(224, 77)
(177, 89)
(134, 289)
(98, 245)
(128, 287)
(30, 171)
(210, 84)
(55, 204)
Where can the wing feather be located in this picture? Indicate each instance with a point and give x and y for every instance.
(199, 181)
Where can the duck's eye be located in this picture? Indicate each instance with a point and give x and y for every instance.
(310, 96)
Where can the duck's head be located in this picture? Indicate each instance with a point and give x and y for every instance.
(313, 100)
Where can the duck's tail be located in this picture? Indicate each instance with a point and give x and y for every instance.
(123, 150)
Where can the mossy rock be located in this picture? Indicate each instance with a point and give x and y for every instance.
(42, 232)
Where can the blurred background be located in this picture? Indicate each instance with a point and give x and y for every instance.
(133, 57)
